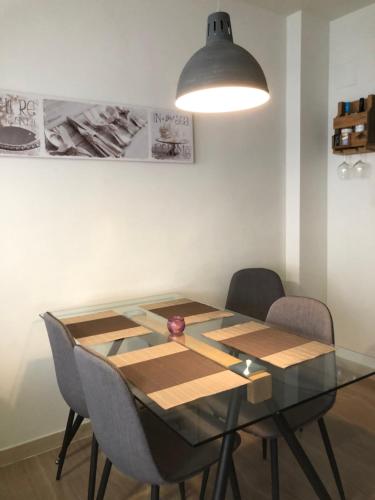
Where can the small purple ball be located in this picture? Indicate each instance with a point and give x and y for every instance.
(176, 325)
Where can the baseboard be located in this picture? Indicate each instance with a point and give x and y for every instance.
(40, 445)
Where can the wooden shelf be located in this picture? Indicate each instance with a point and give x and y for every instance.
(359, 142)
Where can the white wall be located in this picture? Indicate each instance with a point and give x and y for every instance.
(351, 204)
(306, 161)
(75, 232)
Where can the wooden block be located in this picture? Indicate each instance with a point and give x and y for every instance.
(260, 387)
(220, 357)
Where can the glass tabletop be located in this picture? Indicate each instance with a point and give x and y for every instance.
(210, 417)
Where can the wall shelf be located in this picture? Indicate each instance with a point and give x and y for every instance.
(359, 142)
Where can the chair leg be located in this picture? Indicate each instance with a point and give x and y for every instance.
(234, 482)
(206, 473)
(65, 444)
(274, 469)
(104, 479)
(182, 490)
(76, 425)
(331, 457)
(93, 467)
(264, 448)
(155, 492)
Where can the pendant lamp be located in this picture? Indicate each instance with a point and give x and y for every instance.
(221, 76)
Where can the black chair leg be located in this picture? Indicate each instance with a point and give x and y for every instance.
(72, 427)
(331, 457)
(234, 482)
(206, 473)
(274, 469)
(65, 444)
(93, 467)
(155, 492)
(104, 479)
(264, 448)
(182, 490)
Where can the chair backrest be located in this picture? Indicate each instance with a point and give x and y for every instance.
(114, 417)
(62, 345)
(305, 316)
(253, 291)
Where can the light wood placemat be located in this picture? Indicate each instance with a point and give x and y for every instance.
(88, 317)
(235, 331)
(165, 303)
(198, 388)
(298, 354)
(156, 351)
(112, 336)
(201, 318)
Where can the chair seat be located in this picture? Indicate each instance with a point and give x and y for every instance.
(176, 459)
(297, 417)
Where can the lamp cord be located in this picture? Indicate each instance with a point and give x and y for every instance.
(218, 5)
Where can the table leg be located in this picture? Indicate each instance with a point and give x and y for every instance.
(115, 347)
(223, 467)
(225, 461)
(301, 457)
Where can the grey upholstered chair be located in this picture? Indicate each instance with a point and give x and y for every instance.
(312, 319)
(253, 291)
(62, 345)
(139, 444)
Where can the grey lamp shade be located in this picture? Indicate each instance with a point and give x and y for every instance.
(221, 76)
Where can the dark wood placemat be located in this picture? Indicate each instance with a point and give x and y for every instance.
(160, 373)
(275, 346)
(98, 326)
(171, 374)
(265, 342)
(188, 309)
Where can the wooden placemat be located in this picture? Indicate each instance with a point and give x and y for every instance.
(105, 326)
(296, 355)
(193, 312)
(171, 374)
(275, 346)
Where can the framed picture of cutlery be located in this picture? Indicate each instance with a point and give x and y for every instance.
(49, 127)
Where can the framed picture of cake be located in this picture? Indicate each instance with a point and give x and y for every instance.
(171, 136)
(19, 124)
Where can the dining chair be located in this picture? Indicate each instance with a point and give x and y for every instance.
(135, 441)
(62, 345)
(252, 292)
(311, 319)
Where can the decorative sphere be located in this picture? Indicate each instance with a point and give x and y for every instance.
(176, 325)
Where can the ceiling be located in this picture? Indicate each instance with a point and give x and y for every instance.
(330, 9)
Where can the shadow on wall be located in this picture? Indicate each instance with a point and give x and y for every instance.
(36, 408)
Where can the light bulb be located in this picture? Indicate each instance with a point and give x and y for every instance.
(222, 99)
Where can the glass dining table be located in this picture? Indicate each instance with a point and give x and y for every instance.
(221, 414)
